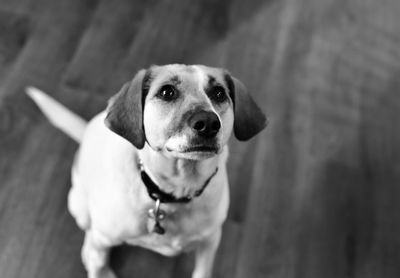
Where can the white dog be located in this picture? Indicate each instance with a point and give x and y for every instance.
(150, 170)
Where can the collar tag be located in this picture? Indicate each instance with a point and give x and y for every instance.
(157, 215)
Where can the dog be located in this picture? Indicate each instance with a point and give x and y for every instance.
(151, 169)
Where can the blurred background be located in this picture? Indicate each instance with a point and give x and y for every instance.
(317, 194)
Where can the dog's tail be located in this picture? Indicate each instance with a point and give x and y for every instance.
(60, 116)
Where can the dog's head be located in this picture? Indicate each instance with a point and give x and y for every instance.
(184, 111)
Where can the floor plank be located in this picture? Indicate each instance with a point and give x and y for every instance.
(104, 46)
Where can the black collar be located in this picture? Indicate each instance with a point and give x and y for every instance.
(157, 194)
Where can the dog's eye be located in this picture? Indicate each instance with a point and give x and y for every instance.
(167, 93)
(217, 94)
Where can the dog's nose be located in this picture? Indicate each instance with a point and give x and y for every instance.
(205, 124)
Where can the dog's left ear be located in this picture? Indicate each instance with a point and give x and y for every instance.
(125, 111)
(248, 117)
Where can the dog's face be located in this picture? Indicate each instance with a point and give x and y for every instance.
(188, 112)
(184, 111)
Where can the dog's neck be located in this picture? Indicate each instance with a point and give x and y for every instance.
(181, 177)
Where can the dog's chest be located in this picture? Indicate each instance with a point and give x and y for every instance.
(167, 245)
(184, 227)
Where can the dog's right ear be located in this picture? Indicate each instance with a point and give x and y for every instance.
(249, 119)
(125, 111)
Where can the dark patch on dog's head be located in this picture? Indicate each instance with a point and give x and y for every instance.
(125, 109)
(211, 81)
(212, 84)
(175, 80)
(248, 117)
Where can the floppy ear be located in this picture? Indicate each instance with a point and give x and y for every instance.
(125, 111)
(248, 117)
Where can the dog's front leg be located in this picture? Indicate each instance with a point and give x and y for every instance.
(205, 254)
(95, 253)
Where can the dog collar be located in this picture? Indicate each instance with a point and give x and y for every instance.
(158, 195)
(156, 214)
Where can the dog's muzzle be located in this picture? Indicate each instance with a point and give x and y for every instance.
(205, 124)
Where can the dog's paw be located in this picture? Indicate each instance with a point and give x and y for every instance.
(104, 272)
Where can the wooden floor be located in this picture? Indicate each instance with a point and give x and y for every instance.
(316, 195)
